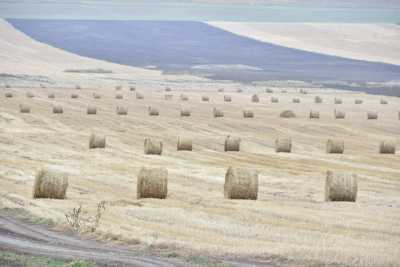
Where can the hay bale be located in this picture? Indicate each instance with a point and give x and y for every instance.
(78, 87)
(96, 96)
(24, 108)
(248, 113)
(387, 147)
(152, 147)
(274, 100)
(318, 100)
(139, 95)
(239, 90)
(284, 91)
(205, 98)
(168, 89)
(296, 100)
(51, 95)
(227, 98)
(91, 110)
(255, 99)
(384, 102)
(119, 96)
(30, 95)
(58, 110)
(303, 91)
(358, 101)
(132, 88)
(339, 114)
(221, 90)
(287, 114)
(217, 113)
(96, 141)
(185, 112)
(241, 184)
(152, 183)
(122, 110)
(314, 114)
(184, 97)
(232, 143)
(8, 95)
(283, 145)
(338, 101)
(73, 95)
(118, 88)
(50, 184)
(269, 91)
(7, 86)
(340, 187)
(372, 115)
(168, 97)
(42, 86)
(334, 146)
(153, 111)
(184, 143)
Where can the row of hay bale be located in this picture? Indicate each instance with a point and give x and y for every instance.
(240, 183)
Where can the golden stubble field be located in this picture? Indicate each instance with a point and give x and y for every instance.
(290, 218)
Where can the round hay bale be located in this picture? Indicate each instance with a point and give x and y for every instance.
(96, 141)
(152, 183)
(205, 98)
(78, 87)
(184, 143)
(7, 86)
(184, 97)
(217, 113)
(283, 145)
(30, 95)
(338, 101)
(358, 101)
(119, 96)
(118, 88)
(287, 114)
(248, 113)
(132, 88)
(51, 95)
(232, 143)
(274, 100)
(50, 184)
(339, 114)
(168, 97)
(334, 146)
(58, 110)
(42, 86)
(96, 96)
(255, 99)
(239, 90)
(122, 110)
(314, 114)
(303, 91)
(221, 90)
(168, 89)
(152, 147)
(91, 110)
(185, 112)
(318, 100)
(139, 95)
(372, 115)
(153, 111)
(284, 91)
(269, 91)
(73, 95)
(341, 187)
(387, 147)
(384, 102)
(241, 184)
(296, 100)
(8, 95)
(227, 98)
(24, 109)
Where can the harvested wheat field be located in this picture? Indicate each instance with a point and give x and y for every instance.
(289, 224)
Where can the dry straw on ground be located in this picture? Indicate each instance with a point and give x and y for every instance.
(139, 95)
(241, 184)
(51, 95)
(184, 97)
(119, 96)
(296, 100)
(339, 114)
(232, 143)
(58, 110)
(274, 100)
(283, 144)
(24, 108)
(152, 147)
(184, 143)
(227, 98)
(185, 112)
(248, 113)
(314, 114)
(255, 99)
(8, 94)
(29, 94)
(334, 146)
(122, 110)
(73, 95)
(96, 141)
(287, 114)
(358, 101)
(372, 115)
(384, 102)
(338, 101)
(341, 187)
(205, 98)
(91, 110)
(318, 100)
(50, 184)
(217, 113)
(387, 147)
(153, 111)
(152, 183)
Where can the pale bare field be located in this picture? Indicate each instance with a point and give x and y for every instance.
(290, 220)
(370, 42)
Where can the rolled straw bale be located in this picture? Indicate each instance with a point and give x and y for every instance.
(184, 97)
(384, 102)
(318, 100)
(73, 95)
(334, 146)
(152, 183)
(339, 114)
(122, 110)
(205, 98)
(241, 184)
(287, 114)
(387, 147)
(78, 87)
(303, 91)
(50, 184)
(232, 143)
(283, 144)
(168, 97)
(96, 96)
(91, 110)
(358, 101)
(274, 100)
(7, 86)
(58, 110)
(217, 113)
(255, 99)
(119, 96)
(29, 94)
(152, 147)
(24, 108)
(168, 89)
(239, 90)
(139, 95)
(341, 187)
(248, 113)
(184, 143)
(372, 115)
(118, 88)
(153, 111)
(296, 100)
(269, 91)
(221, 90)
(338, 101)
(314, 114)
(42, 86)
(96, 141)
(132, 88)
(185, 112)
(51, 95)
(227, 98)
(283, 91)
(8, 94)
